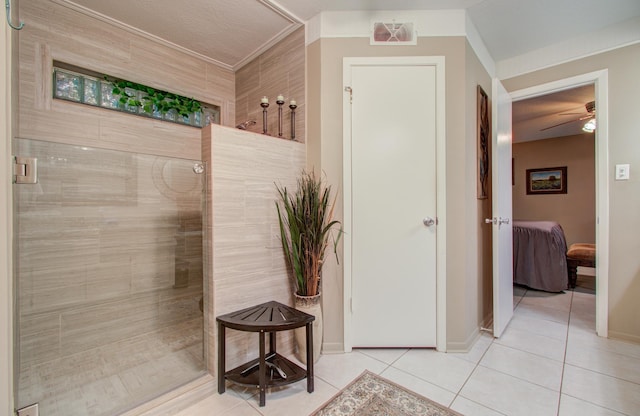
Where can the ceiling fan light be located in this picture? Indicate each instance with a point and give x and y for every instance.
(590, 126)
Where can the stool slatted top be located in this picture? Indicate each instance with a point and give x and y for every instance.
(267, 317)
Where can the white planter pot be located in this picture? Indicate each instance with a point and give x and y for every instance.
(312, 306)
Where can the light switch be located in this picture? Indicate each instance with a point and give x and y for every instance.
(622, 172)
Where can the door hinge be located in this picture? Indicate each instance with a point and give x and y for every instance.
(25, 170)
(350, 91)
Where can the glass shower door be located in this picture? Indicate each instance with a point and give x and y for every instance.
(108, 278)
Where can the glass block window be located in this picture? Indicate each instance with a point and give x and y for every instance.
(129, 97)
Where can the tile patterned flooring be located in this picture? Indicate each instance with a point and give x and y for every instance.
(548, 362)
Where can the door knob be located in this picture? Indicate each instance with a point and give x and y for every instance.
(428, 221)
(491, 220)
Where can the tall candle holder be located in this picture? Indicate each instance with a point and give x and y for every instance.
(280, 101)
(293, 106)
(264, 103)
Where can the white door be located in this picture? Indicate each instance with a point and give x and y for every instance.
(392, 222)
(501, 207)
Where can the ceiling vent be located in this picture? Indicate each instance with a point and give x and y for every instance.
(393, 34)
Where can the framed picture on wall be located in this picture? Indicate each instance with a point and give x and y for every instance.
(484, 141)
(547, 181)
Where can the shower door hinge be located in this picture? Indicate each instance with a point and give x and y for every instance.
(25, 170)
(31, 410)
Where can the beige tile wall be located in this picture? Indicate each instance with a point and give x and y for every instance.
(109, 247)
(243, 233)
(58, 33)
(280, 70)
(70, 248)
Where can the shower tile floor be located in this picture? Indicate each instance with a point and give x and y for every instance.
(111, 378)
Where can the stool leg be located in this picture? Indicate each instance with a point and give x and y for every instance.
(262, 377)
(310, 357)
(221, 358)
(272, 342)
(572, 269)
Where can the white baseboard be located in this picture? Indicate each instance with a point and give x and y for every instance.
(624, 336)
(466, 345)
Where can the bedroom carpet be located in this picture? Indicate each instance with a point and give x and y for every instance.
(372, 395)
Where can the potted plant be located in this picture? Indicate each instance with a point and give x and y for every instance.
(306, 228)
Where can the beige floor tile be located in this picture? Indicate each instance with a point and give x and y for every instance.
(525, 366)
(340, 369)
(542, 312)
(606, 362)
(533, 343)
(539, 326)
(558, 301)
(587, 337)
(444, 370)
(509, 395)
(386, 355)
(602, 390)
(468, 407)
(570, 406)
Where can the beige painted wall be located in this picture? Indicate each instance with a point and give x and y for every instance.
(480, 260)
(280, 70)
(575, 210)
(324, 83)
(623, 68)
(77, 39)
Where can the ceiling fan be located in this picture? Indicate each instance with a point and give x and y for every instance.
(591, 113)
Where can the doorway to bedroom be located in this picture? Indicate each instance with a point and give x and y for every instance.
(550, 134)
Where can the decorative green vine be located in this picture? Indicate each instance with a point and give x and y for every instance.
(154, 100)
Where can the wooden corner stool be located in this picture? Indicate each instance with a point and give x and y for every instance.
(270, 369)
(579, 254)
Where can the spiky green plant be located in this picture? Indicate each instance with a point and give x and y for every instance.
(306, 227)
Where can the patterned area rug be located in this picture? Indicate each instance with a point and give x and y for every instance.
(372, 395)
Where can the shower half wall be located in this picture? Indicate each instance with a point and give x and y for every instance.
(109, 278)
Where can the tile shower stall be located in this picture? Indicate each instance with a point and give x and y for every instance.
(108, 278)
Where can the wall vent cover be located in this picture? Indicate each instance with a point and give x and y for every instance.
(393, 33)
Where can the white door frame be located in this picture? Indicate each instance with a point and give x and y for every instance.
(501, 206)
(600, 81)
(438, 63)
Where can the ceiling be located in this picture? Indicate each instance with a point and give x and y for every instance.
(233, 32)
(553, 115)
